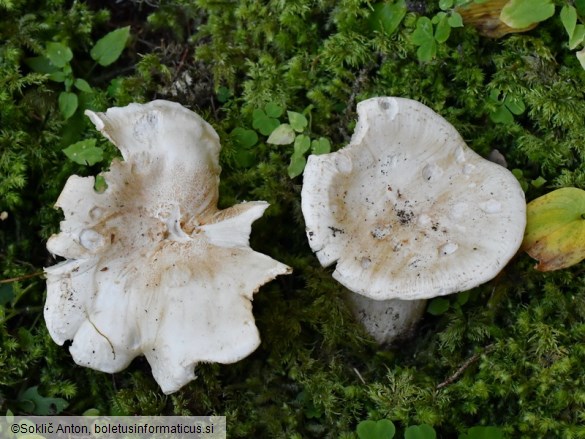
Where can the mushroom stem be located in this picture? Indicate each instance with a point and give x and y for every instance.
(387, 321)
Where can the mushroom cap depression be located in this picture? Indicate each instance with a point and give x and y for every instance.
(152, 266)
(407, 210)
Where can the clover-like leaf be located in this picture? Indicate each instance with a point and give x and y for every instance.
(443, 28)
(519, 14)
(297, 165)
(264, 123)
(273, 110)
(424, 38)
(297, 121)
(423, 431)
(455, 19)
(423, 32)
(555, 229)
(382, 429)
(282, 135)
(302, 144)
(320, 146)
(244, 138)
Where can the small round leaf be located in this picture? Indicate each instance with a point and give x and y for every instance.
(297, 121)
(383, 429)
(422, 431)
(58, 54)
(244, 138)
(282, 135)
(297, 165)
(438, 306)
(273, 110)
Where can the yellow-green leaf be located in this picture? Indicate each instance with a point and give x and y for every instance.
(555, 229)
(519, 14)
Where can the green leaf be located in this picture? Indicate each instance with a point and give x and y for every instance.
(33, 402)
(84, 152)
(427, 51)
(58, 54)
(445, 4)
(423, 37)
(40, 64)
(443, 29)
(321, 146)
(485, 433)
(423, 33)
(519, 14)
(282, 135)
(455, 19)
(578, 36)
(6, 294)
(580, 5)
(422, 431)
(91, 412)
(109, 48)
(100, 184)
(539, 182)
(273, 110)
(297, 121)
(502, 115)
(263, 123)
(223, 94)
(555, 229)
(297, 165)
(244, 138)
(462, 298)
(67, 104)
(438, 306)
(58, 76)
(386, 17)
(514, 104)
(302, 144)
(82, 84)
(245, 158)
(383, 429)
(569, 19)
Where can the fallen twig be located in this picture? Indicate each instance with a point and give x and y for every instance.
(23, 277)
(464, 366)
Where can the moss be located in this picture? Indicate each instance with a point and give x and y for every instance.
(511, 356)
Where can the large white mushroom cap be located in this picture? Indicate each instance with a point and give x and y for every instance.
(153, 267)
(407, 210)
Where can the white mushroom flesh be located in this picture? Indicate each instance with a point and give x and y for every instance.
(407, 210)
(153, 267)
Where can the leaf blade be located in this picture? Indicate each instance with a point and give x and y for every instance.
(109, 48)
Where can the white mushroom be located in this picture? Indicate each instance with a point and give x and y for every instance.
(407, 210)
(153, 267)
